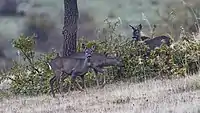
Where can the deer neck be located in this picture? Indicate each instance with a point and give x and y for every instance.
(86, 64)
(108, 62)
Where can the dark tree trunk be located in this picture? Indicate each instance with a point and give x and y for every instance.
(71, 16)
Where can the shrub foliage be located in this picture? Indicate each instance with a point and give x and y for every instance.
(32, 76)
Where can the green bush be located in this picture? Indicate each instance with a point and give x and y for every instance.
(32, 77)
(180, 60)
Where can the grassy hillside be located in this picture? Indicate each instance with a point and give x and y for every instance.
(167, 96)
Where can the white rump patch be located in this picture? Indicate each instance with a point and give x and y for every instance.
(49, 66)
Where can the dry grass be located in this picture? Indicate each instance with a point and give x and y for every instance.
(169, 96)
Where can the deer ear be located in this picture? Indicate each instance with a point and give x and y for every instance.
(140, 26)
(132, 27)
(83, 46)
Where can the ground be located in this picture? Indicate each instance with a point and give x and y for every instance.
(153, 96)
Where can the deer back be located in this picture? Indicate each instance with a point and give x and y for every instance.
(95, 58)
(66, 64)
(74, 64)
(157, 41)
(76, 61)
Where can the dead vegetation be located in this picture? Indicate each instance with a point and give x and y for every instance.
(175, 96)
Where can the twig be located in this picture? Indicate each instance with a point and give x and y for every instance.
(146, 20)
(29, 60)
(192, 12)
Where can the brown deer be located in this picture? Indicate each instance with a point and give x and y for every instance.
(151, 42)
(70, 66)
(97, 60)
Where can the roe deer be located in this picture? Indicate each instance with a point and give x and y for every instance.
(98, 61)
(151, 42)
(70, 66)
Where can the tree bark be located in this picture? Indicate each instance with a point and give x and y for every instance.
(71, 16)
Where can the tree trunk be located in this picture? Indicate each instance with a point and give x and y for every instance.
(71, 16)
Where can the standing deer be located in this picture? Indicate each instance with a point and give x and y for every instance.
(98, 61)
(70, 66)
(152, 43)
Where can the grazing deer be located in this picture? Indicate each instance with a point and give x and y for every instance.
(151, 42)
(98, 61)
(70, 66)
(106, 61)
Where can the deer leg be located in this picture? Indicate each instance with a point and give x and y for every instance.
(79, 87)
(96, 77)
(104, 81)
(52, 80)
(96, 70)
(84, 85)
(83, 80)
(119, 72)
(58, 74)
(74, 75)
(62, 78)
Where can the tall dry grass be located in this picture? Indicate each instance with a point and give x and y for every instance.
(169, 96)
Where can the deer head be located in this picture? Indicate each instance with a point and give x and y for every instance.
(88, 51)
(136, 32)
